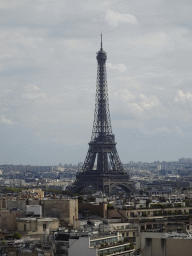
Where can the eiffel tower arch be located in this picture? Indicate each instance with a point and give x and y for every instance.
(102, 168)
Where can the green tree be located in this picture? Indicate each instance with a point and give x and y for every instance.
(110, 207)
(17, 235)
(91, 199)
(80, 199)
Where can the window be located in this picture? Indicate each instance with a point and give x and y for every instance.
(44, 226)
(4, 204)
(24, 227)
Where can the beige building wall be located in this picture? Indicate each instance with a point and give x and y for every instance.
(8, 219)
(64, 209)
(95, 209)
(154, 244)
(19, 203)
(167, 247)
(36, 225)
(125, 214)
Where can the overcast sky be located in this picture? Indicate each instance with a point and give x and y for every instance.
(48, 78)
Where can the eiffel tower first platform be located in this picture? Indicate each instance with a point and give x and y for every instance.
(102, 151)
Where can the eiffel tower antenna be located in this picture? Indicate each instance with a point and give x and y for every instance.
(101, 42)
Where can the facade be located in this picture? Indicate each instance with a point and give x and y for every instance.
(93, 209)
(126, 231)
(63, 209)
(37, 225)
(81, 244)
(8, 219)
(34, 210)
(10, 208)
(133, 214)
(161, 244)
(31, 192)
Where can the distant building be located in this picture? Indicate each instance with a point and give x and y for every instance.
(185, 160)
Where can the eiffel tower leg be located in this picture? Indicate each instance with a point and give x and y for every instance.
(102, 162)
(115, 160)
(89, 160)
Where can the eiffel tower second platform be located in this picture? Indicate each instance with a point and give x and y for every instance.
(102, 168)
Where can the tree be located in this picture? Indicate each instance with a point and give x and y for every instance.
(91, 199)
(80, 199)
(17, 235)
(110, 207)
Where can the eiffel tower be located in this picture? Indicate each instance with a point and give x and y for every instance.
(102, 147)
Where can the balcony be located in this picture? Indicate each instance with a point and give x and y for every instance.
(115, 249)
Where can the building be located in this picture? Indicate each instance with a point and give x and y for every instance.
(36, 227)
(92, 244)
(164, 244)
(10, 208)
(132, 215)
(63, 209)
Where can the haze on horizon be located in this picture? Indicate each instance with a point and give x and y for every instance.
(48, 78)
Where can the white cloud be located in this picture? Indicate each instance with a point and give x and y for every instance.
(115, 18)
(76, 44)
(175, 129)
(124, 95)
(48, 78)
(120, 67)
(5, 120)
(182, 97)
(33, 96)
(32, 88)
(149, 102)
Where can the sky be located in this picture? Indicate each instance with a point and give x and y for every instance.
(48, 72)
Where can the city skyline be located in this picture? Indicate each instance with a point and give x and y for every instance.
(48, 73)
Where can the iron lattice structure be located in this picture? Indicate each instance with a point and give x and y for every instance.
(102, 150)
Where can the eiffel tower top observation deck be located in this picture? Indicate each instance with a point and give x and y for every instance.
(102, 167)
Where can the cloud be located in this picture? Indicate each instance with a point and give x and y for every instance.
(163, 129)
(149, 102)
(5, 120)
(115, 18)
(48, 72)
(32, 88)
(124, 95)
(120, 67)
(33, 96)
(183, 97)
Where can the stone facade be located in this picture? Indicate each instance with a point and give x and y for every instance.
(36, 224)
(94, 209)
(63, 209)
(156, 244)
(136, 213)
